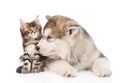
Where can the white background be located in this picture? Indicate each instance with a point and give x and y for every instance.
(101, 18)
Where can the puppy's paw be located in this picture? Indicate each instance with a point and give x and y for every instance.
(62, 68)
(101, 68)
(102, 72)
(70, 72)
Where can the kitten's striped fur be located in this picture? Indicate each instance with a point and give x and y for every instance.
(31, 34)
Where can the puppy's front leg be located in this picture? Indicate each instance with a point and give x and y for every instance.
(61, 67)
(101, 67)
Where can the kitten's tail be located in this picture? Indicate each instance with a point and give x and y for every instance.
(19, 69)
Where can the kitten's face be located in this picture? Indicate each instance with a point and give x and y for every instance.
(31, 30)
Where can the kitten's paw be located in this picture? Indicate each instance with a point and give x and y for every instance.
(35, 70)
(25, 70)
(36, 66)
(102, 72)
(26, 67)
(19, 69)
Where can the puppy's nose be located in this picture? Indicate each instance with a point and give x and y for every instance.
(37, 48)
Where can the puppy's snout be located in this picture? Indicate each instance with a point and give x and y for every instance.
(37, 48)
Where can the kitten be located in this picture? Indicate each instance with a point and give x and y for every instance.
(31, 34)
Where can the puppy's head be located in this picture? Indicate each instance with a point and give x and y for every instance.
(58, 36)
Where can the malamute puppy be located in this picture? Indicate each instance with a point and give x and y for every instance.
(70, 49)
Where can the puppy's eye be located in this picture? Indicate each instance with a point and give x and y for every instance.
(50, 38)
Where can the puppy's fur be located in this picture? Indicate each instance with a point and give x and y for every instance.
(71, 49)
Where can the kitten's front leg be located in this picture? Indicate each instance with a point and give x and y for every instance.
(26, 68)
(36, 64)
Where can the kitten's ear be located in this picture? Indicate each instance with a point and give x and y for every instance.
(48, 17)
(22, 23)
(37, 18)
(73, 30)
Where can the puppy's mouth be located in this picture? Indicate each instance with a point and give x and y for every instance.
(50, 54)
(47, 53)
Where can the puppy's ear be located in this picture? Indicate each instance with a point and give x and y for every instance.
(48, 17)
(73, 30)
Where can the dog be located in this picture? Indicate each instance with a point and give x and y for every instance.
(70, 49)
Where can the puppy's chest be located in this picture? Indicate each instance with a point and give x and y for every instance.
(75, 57)
(74, 60)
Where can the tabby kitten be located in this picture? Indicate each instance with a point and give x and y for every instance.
(31, 34)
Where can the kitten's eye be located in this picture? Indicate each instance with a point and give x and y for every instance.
(36, 29)
(25, 34)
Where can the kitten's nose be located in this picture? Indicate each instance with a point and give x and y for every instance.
(37, 48)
